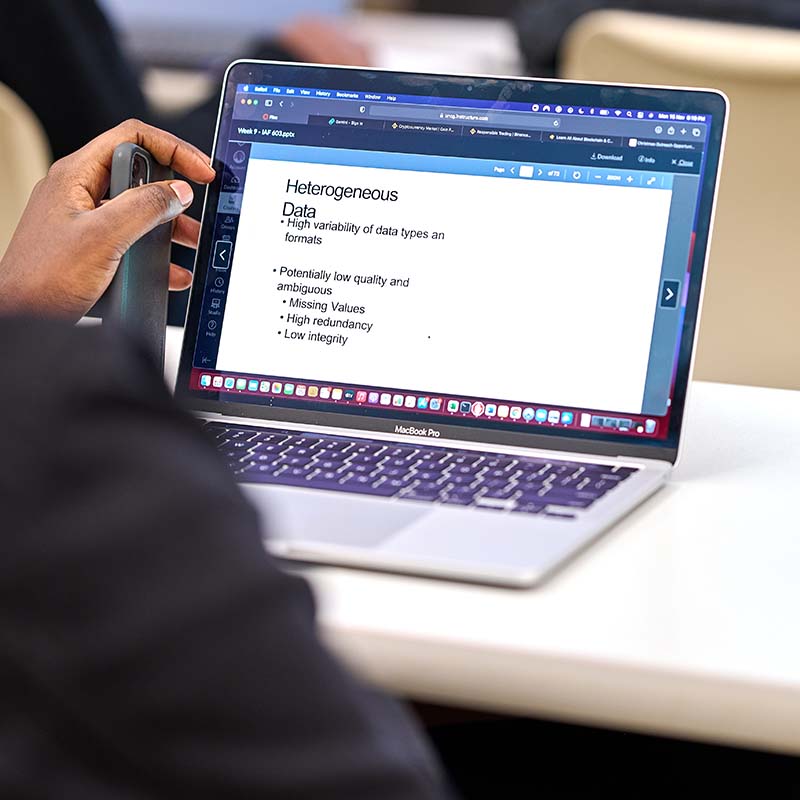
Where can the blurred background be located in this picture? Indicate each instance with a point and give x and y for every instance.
(72, 68)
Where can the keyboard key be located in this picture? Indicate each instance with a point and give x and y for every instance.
(241, 436)
(366, 458)
(496, 483)
(270, 438)
(335, 446)
(456, 499)
(399, 452)
(300, 451)
(361, 469)
(429, 486)
(399, 483)
(394, 472)
(556, 496)
(306, 441)
(368, 449)
(497, 473)
(329, 463)
(463, 480)
(271, 447)
(562, 469)
(464, 470)
(406, 463)
(467, 459)
(574, 502)
(486, 507)
(419, 494)
(358, 480)
(433, 455)
(500, 462)
(297, 461)
(269, 469)
(500, 494)
(528, 508)
(600, 486)
(327, 476)
(265, 458)
(428, 475)
(530, 487)
(234, 456)
(466, 491)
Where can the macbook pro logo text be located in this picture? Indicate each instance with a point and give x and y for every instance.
(407, 430)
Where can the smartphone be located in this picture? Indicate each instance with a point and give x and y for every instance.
(139, 293)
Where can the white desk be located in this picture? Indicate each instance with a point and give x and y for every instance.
(439, 43)
(682, 621)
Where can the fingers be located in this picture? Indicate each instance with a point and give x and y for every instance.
(179, 278)
(128, 217)
(93, 162)
(186, 232)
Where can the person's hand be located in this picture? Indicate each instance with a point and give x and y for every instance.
(318, 41)
(69, 242)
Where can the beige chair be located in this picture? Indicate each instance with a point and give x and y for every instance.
(750, 330)
(24, 159)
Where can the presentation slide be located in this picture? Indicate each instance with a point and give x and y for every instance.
(446, 284)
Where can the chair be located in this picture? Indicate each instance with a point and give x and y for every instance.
(750, 331)
(24, 159)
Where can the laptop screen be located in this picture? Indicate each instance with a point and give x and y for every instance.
(422, 252)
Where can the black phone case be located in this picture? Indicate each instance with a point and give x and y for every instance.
(139, 292)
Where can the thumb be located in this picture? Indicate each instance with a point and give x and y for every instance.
(137, 211)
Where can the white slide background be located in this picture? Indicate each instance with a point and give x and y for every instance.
(541, 292)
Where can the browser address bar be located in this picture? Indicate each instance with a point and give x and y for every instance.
(427, 114)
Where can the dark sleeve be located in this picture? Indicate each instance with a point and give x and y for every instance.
(541, 24)
(138, 602)
(198, 125)
(62, 58)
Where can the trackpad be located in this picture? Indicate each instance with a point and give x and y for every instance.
(299, 515)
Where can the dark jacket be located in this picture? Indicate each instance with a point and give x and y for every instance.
(541, 24)
(148, 645)
(63, 59)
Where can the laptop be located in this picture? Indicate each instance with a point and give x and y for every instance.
(444, 325)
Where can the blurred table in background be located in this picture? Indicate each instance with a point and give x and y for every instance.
(412, 42)
(427, 42)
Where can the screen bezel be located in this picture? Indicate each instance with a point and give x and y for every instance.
(670, 100)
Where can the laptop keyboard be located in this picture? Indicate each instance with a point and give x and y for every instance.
(429, 474)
